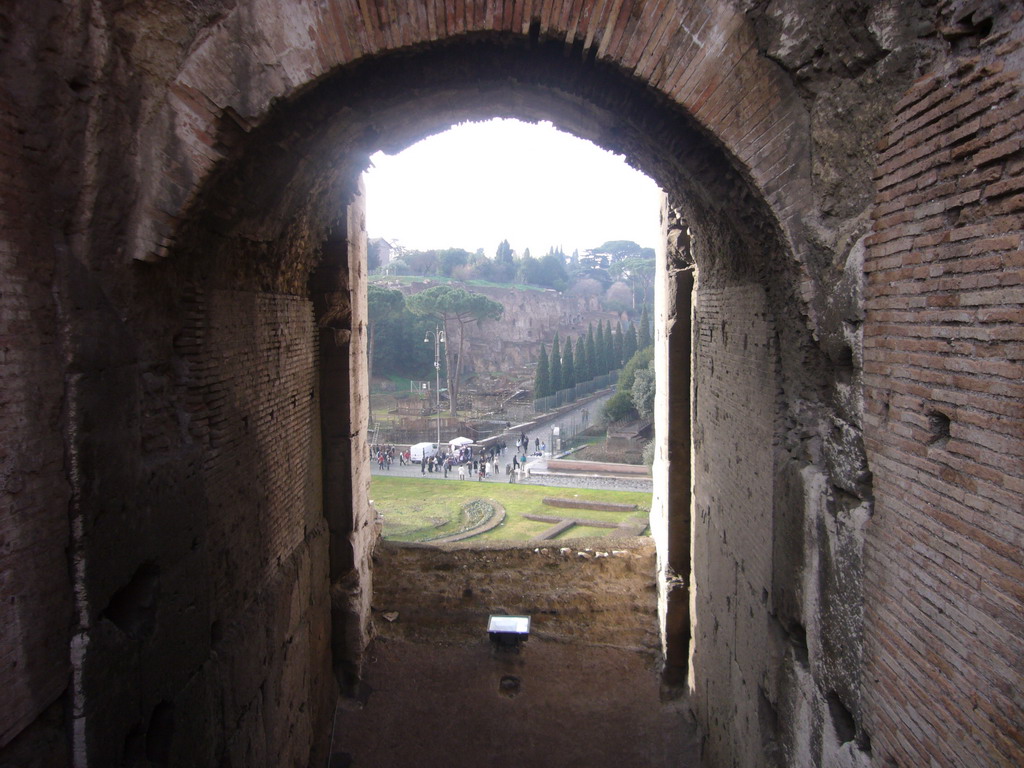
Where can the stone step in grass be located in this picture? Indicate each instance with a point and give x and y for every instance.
(603, 506)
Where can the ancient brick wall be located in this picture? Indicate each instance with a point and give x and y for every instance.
(34, 579)
(152, 153)
(944, 424)
(205, 616)
(576, 591)
(734, 414)
(252, 381)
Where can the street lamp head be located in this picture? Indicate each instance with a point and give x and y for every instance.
(426, 339)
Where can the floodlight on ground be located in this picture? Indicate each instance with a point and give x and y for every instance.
(508, 632)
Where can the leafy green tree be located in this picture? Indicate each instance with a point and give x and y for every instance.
(642, 391)
(618, 407)
(422, 262)
(636, 362)
(451, 259)
(455, 309)
(568, 366)
(504, 253)
(644, 334)
(397, 336)
(624, 249)
(638, 271)
(629, 343)
(556, 366)
(621, 405)
(382, 303)
(542, 380)
(617, 345)
(548, 271)
(583, 374)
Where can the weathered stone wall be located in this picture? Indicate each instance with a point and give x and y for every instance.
(531, 318)
(944, 421)
(160, 162)
(203, 601)
(35, 583)
(734, 409)
(596, 592)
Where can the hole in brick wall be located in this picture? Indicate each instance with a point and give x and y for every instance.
(534, 32)
(843, 500)
(160, 733)
(842, 364)
(938, 427)
(970, 29)
(864, 742)
(509, 686)
(796, 634)
(980, 27)
(134, 746)
(842, 719)
(132, 609)
(768, 719)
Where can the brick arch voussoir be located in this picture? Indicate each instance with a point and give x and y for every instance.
(700, 56)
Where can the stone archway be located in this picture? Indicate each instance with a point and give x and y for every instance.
(271, 213)
(232, 403)
(178, 178)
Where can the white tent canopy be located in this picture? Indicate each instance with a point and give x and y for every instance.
(458, 442)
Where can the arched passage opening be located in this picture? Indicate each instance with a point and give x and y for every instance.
(258, 311)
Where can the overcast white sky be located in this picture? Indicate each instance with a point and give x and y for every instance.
(479, 183)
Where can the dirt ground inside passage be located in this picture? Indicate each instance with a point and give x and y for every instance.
(552, 705)
(584, 689)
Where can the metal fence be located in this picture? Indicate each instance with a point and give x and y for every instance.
(570, 395)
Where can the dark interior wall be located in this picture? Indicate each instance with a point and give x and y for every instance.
(239, 261)
(760, 121)
(201, 545)
(184, 504)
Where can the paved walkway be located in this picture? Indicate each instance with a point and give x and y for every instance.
(569, 423)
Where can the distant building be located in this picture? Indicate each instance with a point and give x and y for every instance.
(380, 252)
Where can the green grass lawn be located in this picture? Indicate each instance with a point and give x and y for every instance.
(416, 510)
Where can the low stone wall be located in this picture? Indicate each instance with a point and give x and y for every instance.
(603, 506)
(604, 467)
(596, 592)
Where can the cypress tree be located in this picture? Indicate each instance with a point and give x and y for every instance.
(542, 383)
(568, 366)
(629, 344)
(593, 361)
(556, 367)
(599, 356)
(644, 337)
(609, 348)
(582, 364)
(617, 346)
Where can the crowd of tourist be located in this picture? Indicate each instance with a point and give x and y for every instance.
(465, 460)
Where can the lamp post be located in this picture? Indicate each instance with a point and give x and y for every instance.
(438, 335)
